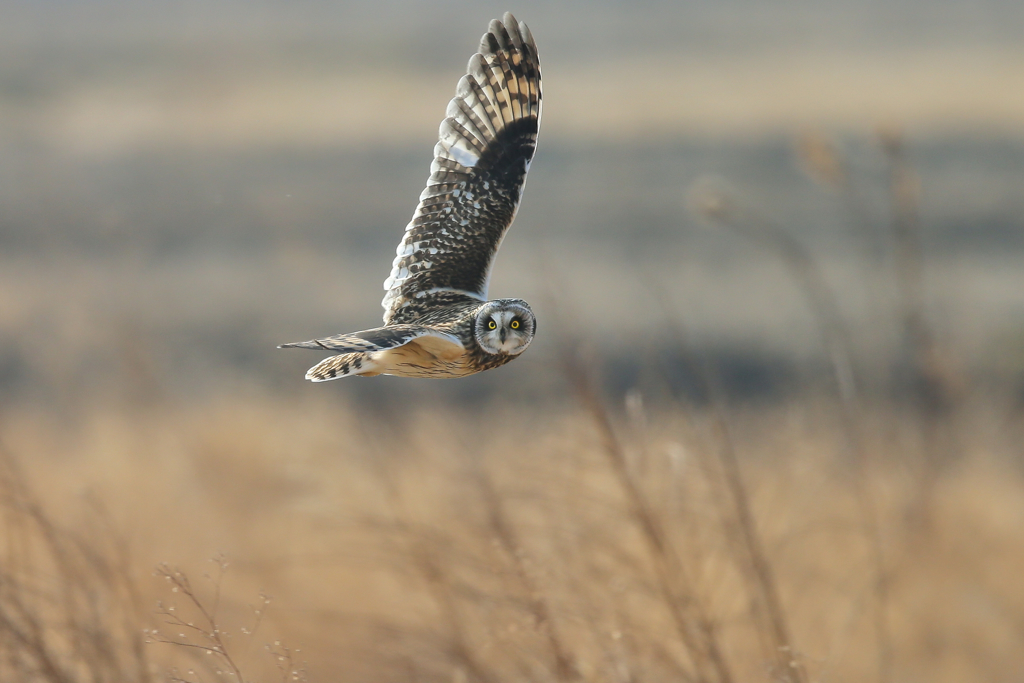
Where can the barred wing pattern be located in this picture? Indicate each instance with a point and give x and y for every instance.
(476, 179)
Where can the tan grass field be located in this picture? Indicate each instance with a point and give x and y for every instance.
(506, 546)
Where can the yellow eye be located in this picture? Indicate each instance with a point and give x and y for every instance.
(492, 325)
(515, 325)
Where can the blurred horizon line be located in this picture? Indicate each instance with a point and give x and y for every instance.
(276, 107)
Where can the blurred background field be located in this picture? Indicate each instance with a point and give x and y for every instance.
(184, 186)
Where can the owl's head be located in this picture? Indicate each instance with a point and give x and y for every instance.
(505, 326)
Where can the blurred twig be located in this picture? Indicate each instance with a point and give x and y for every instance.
(788, 665)
(196, 627)
(565, 666)
(715, 202)
(937, 383)
(210, 636)
(825, 162)
(67, 610)
(423, 553)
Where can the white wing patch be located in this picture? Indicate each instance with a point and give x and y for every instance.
(456, 147)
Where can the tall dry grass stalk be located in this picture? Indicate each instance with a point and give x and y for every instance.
(718, 204)
(696, 629)
(936, 385)
(939, 385)
(739, 524)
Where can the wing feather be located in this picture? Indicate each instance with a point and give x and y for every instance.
(365, 353)
(485, 145)
(377, 339)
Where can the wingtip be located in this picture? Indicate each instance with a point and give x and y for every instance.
(512, 28)
(527, 36)
(316, 377)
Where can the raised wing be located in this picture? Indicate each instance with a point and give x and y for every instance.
(480, 162)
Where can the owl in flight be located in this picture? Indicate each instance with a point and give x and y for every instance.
(437, 319)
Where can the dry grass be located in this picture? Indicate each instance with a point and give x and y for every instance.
(510, 546)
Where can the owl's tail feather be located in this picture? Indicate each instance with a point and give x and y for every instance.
(343, 365)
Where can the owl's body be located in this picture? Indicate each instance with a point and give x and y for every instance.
(441, 341)
(438, 321)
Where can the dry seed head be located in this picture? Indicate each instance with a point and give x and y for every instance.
(711, 198)
(890, 136)
(822, 159)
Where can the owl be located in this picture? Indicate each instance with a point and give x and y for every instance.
(438, 321)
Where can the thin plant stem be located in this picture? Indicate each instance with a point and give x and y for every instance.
(834, 334)
(696, 629)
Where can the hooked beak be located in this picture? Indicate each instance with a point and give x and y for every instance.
(502, 335)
